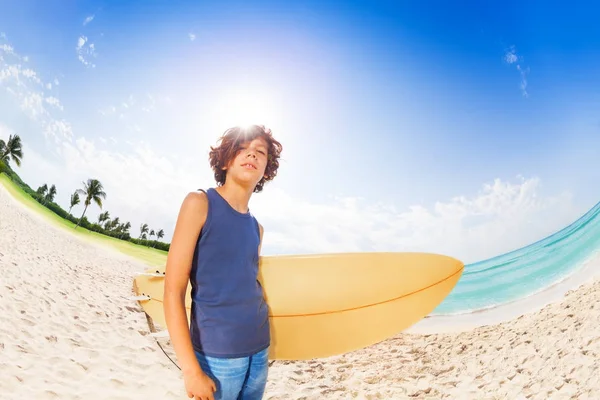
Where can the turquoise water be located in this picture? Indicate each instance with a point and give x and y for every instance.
(524, 272)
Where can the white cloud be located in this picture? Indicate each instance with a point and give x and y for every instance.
(108, 111)
(134, 107)
(85, 50)
(9, 72)
(192, 36)
(7, 49)
(32, 75)
(25, 85)
(32, 104)
(54, 102)
(150, 103)
(503, 216)
(28, 87)
(59, 131)
(511, 57)
(523, 85)
(88, 20)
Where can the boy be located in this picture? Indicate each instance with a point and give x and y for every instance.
(216, 246)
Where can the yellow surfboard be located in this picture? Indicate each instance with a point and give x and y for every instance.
(329, 304)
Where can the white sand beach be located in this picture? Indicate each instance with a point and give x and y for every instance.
(69, 330)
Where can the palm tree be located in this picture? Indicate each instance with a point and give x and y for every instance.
(103, 219)
(42, 190)
(159, 234)
(11, 150)
(93, 191)
(74, 200)
(112, 225)
(49, 197)
(124, 229)
(143, 230)
(152, 233)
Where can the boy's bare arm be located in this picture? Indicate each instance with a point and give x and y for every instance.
(192, 216)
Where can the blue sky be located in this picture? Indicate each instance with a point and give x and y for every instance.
(462, 129)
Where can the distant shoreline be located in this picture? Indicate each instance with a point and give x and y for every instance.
(586, 273)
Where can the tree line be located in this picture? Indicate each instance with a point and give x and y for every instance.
(91, 192)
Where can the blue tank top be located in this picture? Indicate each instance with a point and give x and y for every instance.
(229, 316)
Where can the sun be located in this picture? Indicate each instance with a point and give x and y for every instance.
(243, 107)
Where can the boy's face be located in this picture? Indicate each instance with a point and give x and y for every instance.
(250, 163)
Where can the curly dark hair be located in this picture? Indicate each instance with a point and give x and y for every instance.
(230, 144)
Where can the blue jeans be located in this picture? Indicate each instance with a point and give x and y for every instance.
(241, 378)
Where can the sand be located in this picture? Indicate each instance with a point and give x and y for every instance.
(70, 330)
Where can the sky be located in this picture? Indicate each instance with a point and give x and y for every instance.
(465, 129)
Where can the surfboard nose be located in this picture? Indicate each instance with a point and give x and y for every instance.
(326, 305)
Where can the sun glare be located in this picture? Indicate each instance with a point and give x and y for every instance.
(246, 107)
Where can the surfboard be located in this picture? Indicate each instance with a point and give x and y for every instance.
(322, 305)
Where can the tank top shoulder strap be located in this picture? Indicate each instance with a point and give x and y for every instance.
(210, 192)
(207, 192)
(207, 221)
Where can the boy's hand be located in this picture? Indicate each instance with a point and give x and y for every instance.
(199, 386)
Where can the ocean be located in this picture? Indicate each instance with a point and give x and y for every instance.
(525, 272)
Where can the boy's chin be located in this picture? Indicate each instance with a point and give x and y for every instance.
(247, 180)
(248, 175)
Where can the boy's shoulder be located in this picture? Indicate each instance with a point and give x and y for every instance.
(195, 201)
(197, 196)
